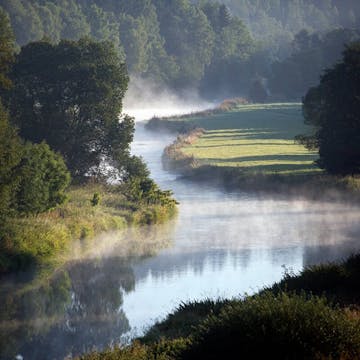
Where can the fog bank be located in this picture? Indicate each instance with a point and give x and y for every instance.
(146, 99)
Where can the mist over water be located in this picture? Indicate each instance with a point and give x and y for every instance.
(229, 243)
(146, 99)
(222, 244)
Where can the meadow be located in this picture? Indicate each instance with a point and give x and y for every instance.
(258, 138)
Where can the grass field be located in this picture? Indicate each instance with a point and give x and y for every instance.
(258, 138)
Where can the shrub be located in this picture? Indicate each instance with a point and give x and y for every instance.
(43, 179)
(281, 327)
(338, 282)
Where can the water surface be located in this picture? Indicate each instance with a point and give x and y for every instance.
(222, 244)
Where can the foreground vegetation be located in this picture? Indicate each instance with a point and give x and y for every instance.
(290, 320)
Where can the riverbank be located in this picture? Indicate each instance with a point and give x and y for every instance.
(250, 147)
(311, 315)
(44, 238)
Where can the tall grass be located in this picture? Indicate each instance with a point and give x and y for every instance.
(38, 239)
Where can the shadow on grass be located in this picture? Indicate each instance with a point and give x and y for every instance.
(267, 168)
(253, 135)
(278, 157)
(236, 144)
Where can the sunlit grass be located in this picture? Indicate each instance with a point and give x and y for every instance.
(257, 138)
(45, 238)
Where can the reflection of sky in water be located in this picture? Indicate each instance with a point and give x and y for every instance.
(222, 244)
(226, 244)
(219, 275)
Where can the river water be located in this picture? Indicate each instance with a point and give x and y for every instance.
(222, 244)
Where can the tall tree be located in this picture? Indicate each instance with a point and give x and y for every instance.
(7, 50)
(312, 53)
(70, 95)
(188, 36)
(25, 20)
(333, 107)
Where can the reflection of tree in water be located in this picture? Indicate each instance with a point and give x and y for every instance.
(335, 253)
(79, 310)
(174, 264)
(31, 312)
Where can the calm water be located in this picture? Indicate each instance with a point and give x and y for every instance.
(222, 244)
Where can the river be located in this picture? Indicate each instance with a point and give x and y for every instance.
(222, 244)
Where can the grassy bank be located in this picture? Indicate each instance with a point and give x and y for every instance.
(39, 239)
(313, 315)
(255, 138)
(249, 146)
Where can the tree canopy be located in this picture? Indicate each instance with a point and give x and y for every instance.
(33, 178)
(70, 95)
(219, 47)
(172, 42)
(333, 107)
(7, 50)
(311, 54)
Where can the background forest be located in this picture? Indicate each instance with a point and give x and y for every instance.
(237, 48)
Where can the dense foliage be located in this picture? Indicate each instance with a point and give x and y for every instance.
(204, 44)
(7, 49)
(333, 107)
(311, 54)
(176, 43)
(65, 102)
(70, 95)
(282, 327)
(10, 156)
(43, 179)
(32, 177)
(276, 22)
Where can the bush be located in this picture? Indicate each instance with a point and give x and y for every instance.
(280, 327)
(43, 179)
(338, 282)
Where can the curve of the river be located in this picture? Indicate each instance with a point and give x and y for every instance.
(222, 244)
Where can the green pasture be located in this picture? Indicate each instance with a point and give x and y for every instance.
(258, 138)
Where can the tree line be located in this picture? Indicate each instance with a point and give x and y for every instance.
(171, 42)
(230, 49)
(276, 22)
